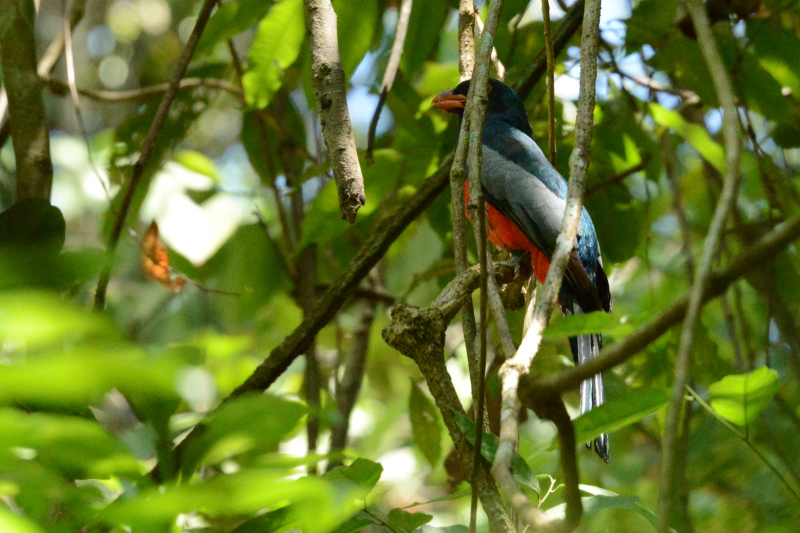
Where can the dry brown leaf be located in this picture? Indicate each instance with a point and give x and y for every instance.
(155, 261)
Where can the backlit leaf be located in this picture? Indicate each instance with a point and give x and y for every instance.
(740, 398)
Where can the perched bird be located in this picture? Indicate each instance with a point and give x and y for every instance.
(526, 198)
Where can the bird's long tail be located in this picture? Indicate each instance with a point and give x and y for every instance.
(584, 348)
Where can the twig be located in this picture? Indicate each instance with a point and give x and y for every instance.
(689, 97)
(353, 374)
(330, 91)
(499, 68)
(518, 366)
(60, 88)
(613, 180)
(551, 96)
(756, 256)
(730, 131)
(533, 74)
(148, 144)
(391, 71)
(477, 101)
(27, 118)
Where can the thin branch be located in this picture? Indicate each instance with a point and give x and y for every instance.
(730, 131)
(613, 180)
(533, 74)
(27, 118)
(499, 68)
(134, 95)
(519, 365)
(477, 101)
(391, 71)
(353, 374)
(330, 91)
(148, 144)
(551, 96)
(754, 257)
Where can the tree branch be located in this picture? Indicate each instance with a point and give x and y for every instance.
(148, 144)
(519, 365)
(756, 256)
(62, 89)
(27, 119)
(330, 91)
(730, 132)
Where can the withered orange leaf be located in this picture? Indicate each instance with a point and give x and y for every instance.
(155, 261)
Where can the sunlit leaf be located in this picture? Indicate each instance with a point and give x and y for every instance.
(12, 523)
(697, 136)
(275, 47)
(229, 19)
(589, 323)
(740, 398)
(425, 426)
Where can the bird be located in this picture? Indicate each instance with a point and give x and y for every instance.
(526, 198)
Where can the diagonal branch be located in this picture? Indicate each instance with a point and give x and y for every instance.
(148, 145)
(754, 257)
(730, 132)
(330, 91)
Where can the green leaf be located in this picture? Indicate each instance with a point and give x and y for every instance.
(520, 470)
(619, 413)
(408, 522)
(250, 424)
(278, 520)
(275, 47)
(40, 319)
(352, 525)
(76, 447)
(425, 426)
(740, 398)
(199, 163)
(425, 27)
(12, 523)
(358, 479)
(605, 499)
(228, 20)
(454, 496)
(589, 323)
(353, 45)
(695, 135)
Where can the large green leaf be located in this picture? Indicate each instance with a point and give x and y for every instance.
(619, 413)
(354, 44)
(275, 47)
(75, 447)
(357, 479)
(425, 425)
(424, 30)
(250, 424)
(12, 523)
(408, 522)
(740, 398)
(520, 470)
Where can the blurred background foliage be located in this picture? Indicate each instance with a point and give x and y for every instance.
(93, 405)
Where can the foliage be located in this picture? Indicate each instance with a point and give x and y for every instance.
(123, 421)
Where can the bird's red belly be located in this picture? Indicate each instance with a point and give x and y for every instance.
(505, 234)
